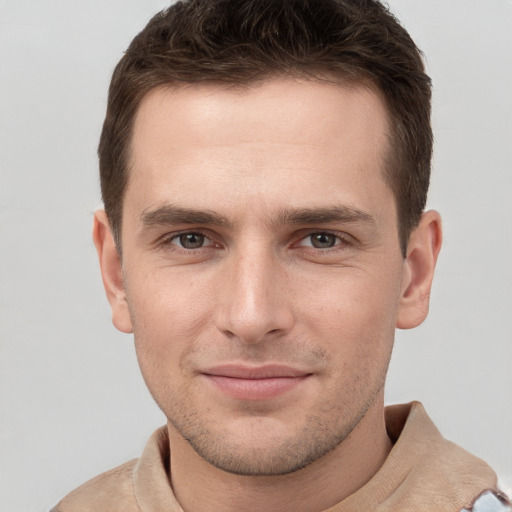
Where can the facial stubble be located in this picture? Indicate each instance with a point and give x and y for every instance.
(261, 449)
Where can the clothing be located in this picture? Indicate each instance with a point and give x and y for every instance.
(423, 472)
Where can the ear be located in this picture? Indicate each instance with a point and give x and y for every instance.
(419, 264)
(111, 271)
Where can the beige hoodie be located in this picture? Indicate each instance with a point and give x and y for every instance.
(423, 473)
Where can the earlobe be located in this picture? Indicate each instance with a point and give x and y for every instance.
(111, 271)
(419, 264)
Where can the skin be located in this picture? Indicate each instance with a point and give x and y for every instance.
(259, 234)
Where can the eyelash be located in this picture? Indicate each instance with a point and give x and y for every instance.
(168, 240)
(342, 240)
(339, 240)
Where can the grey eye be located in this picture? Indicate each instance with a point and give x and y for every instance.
(191, 240)
(323, 240)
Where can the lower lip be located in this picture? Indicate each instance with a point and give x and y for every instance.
(255, 389)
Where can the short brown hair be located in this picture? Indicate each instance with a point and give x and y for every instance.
(236, 42)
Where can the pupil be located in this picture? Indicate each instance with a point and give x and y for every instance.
(323, 240)
(192, 240)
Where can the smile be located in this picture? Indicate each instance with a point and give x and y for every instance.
(258, 383)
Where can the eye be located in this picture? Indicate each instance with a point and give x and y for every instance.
(191, 240)
(321, 240)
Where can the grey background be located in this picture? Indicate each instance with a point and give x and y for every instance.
(72, 403)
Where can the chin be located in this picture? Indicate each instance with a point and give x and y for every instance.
(263, 446)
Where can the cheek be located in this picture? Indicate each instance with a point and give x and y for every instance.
(168, 315)
(164, 301)
(355, 313)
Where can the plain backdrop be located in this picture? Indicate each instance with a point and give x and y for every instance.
(72, 402)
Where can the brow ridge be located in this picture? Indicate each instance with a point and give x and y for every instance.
(169, 214)
(345, 214)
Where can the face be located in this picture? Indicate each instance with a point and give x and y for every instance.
(261, 268)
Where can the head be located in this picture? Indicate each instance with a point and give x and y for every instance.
(264, 170)
(236, 43)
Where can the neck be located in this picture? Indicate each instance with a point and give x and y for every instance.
(201, 487)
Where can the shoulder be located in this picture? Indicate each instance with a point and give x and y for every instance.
(436, 474)
(112, 491)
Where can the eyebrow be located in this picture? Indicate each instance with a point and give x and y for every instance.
(169, 214)
(344, 214)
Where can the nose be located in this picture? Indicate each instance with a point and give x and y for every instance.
(254, 300)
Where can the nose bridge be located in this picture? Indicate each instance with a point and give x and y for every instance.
(253, 305)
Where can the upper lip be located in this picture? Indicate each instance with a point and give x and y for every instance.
(268, 371)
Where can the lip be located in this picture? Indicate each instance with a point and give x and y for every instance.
(255, 383)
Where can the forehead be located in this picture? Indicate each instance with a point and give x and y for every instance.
(280, 134)
(284, 104)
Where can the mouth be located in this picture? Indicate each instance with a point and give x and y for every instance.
(255, 383)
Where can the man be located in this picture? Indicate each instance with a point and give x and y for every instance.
(264, 168)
